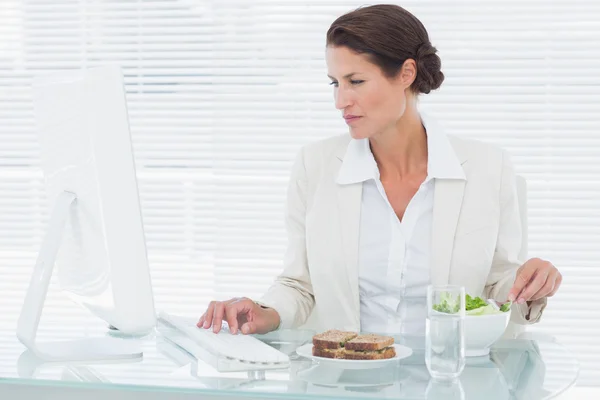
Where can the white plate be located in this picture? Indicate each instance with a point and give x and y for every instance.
(401, 352)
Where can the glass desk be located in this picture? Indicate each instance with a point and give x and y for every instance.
(515, 369)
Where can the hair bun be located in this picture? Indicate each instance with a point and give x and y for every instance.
(429, 69)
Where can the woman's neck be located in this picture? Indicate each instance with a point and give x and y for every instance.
(402, 150)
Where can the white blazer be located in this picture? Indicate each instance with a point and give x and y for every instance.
(476, 235)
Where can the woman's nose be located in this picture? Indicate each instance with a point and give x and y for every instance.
(342, 99)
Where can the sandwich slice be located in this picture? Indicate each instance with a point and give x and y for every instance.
(369, 347)
(331, 344)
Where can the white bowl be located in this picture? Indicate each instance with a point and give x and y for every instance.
(482, 331)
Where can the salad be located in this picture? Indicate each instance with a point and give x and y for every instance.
(473, 305)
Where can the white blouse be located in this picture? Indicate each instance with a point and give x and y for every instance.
(394, 255)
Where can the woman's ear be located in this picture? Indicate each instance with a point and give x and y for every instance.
(408, 73)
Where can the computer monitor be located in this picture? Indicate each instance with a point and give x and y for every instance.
(95, 232)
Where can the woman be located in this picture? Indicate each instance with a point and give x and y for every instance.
(373, 218)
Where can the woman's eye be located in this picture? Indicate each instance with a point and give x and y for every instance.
(352, 82)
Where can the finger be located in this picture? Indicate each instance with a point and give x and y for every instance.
(231, 314)
(249, 328)
(201, 321)
(208, 315)
(207, 318)
(242, 307)
(218, 317)
(524, 276)
(538, 281)
(556, 285)
(546, 289)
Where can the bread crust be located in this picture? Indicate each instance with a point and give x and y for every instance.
(332, 339)
(369, 342)
(327, 353)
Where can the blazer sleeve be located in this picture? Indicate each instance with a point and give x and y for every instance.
(291, 295)
(508, 245)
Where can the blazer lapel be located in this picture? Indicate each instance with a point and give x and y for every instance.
(448, 197)
(349, 201)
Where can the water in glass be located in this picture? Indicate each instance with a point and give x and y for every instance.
(444, 351)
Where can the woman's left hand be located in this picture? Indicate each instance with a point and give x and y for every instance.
(535, 280)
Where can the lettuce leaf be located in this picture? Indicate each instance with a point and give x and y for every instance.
(473, 306)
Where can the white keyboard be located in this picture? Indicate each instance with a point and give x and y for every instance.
(224, 351)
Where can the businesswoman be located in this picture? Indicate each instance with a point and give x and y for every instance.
(375, 216)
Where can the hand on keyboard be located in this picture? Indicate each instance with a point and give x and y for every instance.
(241, 314)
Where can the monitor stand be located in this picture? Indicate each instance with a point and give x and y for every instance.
(88, 349)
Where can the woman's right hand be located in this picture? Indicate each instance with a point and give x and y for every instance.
(241, 314)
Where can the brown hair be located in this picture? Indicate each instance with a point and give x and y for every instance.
(389, 35)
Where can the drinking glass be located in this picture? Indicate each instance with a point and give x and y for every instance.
(445, 332)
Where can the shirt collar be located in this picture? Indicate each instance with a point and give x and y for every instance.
(359, 164)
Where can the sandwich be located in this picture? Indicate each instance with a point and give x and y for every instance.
(331, 344)
(351, 346)
(369, 347)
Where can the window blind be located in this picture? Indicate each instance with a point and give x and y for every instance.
(222, 94)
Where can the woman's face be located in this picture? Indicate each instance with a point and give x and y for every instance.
(370, 102)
